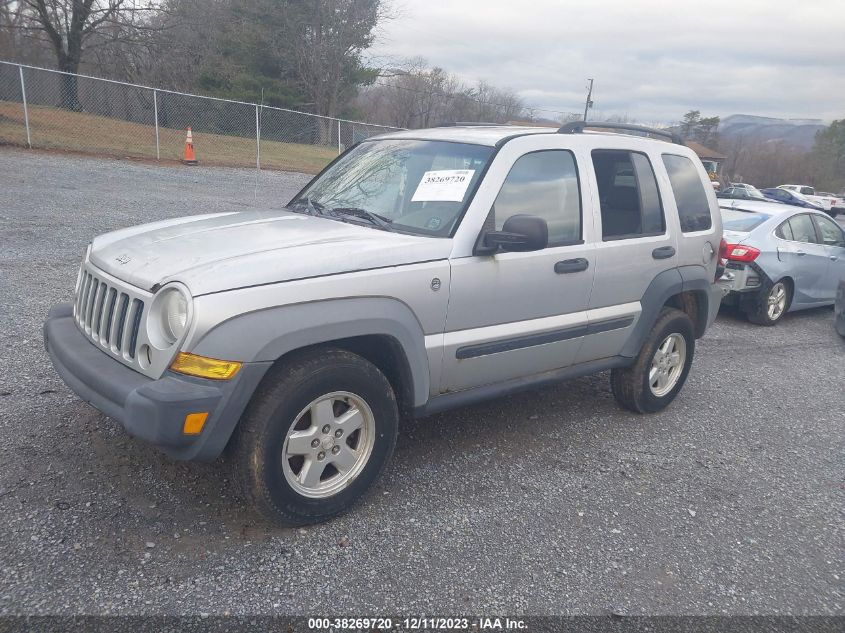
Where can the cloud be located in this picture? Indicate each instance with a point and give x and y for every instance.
(652, 61)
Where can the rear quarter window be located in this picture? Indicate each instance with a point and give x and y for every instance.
(690, 196)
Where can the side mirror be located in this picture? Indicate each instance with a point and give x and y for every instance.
(521, 233)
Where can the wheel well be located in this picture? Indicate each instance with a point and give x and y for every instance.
(384, 352)
(791, 284)
(694, 304)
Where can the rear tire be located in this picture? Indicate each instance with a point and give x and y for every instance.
(769, 305)
(661, 367)
(296, 461)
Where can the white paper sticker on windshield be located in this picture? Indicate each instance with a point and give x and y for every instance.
(443, 185)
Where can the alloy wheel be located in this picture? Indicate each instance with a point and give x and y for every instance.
(776, 301)
(328, 444)
(667, 365)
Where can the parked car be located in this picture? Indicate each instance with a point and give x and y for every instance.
(420, 271)
(839, 309)
(825, 202)
(741, 193)
(780, 259)
(742, 185)
(838, 205)
(790, 197)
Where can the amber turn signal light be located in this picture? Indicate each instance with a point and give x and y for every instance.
(202, 367)
(194, 423)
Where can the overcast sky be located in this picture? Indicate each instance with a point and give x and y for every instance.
(652, 61)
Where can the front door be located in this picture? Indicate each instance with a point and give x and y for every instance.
(833, 238)
(517, 314)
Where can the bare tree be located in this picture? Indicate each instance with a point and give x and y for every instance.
(69, 25)
(417, 95)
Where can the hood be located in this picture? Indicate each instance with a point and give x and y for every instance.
(211, 253)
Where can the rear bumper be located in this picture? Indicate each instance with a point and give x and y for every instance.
(152, 410)
(740, 277)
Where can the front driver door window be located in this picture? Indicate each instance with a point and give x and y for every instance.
(544, 184)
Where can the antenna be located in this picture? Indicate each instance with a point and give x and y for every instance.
(589, 103)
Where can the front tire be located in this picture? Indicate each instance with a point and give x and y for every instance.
(316, 436)
(661, 367)
(769, 306)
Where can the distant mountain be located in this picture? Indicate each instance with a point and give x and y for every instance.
(797, 132)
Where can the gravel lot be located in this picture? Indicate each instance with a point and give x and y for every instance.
(549, 502)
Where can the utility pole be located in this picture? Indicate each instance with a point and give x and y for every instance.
(589, 103)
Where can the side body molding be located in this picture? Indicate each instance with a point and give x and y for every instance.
(267, 334)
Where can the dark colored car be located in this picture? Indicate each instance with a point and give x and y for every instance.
(741, 193)
(790, 197)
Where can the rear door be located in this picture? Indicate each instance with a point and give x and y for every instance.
(805, 258)
(634, 244)
(833, 238)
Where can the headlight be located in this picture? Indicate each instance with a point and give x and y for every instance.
(169, 317)
(174, 314)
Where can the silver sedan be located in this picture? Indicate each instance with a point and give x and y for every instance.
(779, 258)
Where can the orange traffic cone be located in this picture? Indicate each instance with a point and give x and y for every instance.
(189, 158)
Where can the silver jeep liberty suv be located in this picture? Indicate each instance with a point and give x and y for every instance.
(421, 270)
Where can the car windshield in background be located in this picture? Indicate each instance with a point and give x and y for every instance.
(741, 221)
(412, 186)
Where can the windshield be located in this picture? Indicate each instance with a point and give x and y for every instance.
(741, 221)
(414, 186)
(753, 192)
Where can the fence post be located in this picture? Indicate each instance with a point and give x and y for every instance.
(25, 108)
(155, 113)
(339, 150)
(257, 140)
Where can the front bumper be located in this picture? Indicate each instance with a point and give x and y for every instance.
(152, 410)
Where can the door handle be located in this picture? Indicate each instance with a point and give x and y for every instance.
(833, 258)
(571, 266)
(664, 252)
(800, 253)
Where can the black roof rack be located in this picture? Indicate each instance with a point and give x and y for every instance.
(475, 124)
(576, 127)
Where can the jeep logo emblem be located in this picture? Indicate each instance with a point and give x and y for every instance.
(123, 259)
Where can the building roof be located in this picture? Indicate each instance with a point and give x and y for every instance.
(705, 152)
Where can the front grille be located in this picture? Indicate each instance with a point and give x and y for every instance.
(109, 313)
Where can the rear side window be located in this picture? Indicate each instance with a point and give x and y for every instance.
(784, 232)
(802, 228)
(630, 202)
(690, 197)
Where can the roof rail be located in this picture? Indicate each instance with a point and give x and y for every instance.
(576, 127)
(474, 124)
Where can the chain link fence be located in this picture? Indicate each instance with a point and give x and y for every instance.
(44, 108)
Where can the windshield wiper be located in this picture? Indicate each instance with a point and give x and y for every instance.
(311, 206)
(374, 218)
